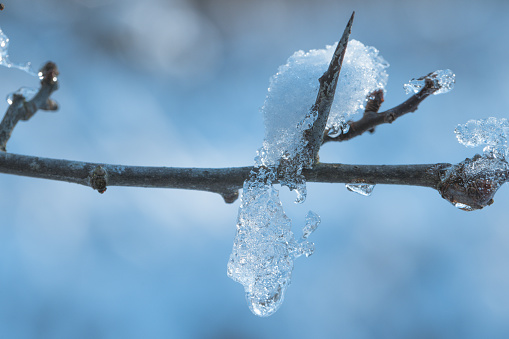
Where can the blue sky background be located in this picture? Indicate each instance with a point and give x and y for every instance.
(180, 83)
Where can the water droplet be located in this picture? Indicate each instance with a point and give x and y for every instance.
(361, 188)
(302, 193)
(334, 132)
(25, 92)
(266, 303)
(463, 207)
(312, 222)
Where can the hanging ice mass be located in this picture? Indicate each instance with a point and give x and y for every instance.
(265, 247)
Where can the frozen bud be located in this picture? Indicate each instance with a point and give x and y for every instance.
(441, 80)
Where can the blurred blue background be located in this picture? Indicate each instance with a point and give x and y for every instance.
(180, 83)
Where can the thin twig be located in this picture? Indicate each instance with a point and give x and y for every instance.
(20, 109)
(372, 119)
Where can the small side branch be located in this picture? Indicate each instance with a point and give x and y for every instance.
(20, 109)
(371, 119)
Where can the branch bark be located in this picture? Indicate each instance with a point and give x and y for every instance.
(224, 181)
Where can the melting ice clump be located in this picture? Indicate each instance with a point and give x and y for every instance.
(491, 132)
(291, 94)
(361, 188)
(265, 247)
(4, 56)
(444, 79)
(293, 90)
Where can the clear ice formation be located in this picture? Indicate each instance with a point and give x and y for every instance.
(491, 132)
(4, 56)
(27, 92)
(265, 247)
(312, 221)
(443, 78)
(361, 188)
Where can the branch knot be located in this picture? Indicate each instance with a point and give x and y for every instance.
(472, 184)
(99, 179)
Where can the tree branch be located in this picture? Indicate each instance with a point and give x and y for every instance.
(449, 180)
(20, 109)
(371, 119)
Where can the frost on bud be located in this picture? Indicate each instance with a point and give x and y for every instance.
(442, 81)
(472, 184)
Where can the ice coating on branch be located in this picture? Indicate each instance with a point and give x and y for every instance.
(442, 79)
(361, 188)
(491, 132)
(265, 247)
(26, 92)
(4, 56)
(293, 90)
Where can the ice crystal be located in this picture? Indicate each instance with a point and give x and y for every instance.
(4, 56)
(361, 188)
(265, 247)
(442, 79)
(312, 221)
(491, 132)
